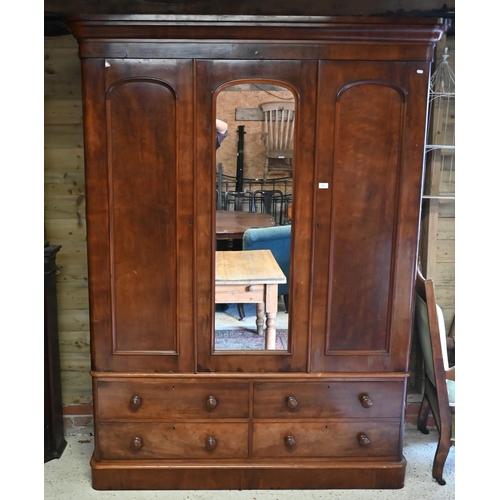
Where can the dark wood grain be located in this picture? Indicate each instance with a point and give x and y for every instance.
(175, 440)
(172, 399)
(54, 440)
(327, 399)
(326, 439)
(240, 475)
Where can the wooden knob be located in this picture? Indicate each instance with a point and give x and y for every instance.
(211, 402)
(290, 441)
(291, 402)
(366, 401)
(210, 443)
(363, 439)
(135, 401)
(137, 443)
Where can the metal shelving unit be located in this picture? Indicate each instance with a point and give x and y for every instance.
(440, 149)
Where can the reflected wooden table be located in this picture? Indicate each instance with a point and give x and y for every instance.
(230, 224)
(251, 276)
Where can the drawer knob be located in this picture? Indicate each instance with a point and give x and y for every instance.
(291, 402)
(211, 402)
(210, 443)
(137, 443)
(135, 401)
(290, 441)
(250, 288)
(363, 439)
(366, 401)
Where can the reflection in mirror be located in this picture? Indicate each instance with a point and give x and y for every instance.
(254, 187)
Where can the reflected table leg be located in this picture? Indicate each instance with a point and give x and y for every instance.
(259, 309)
(271, 311)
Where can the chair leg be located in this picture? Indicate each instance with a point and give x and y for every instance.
(285, 300)
(443, 448)
(241, 311)
(440, 457)
(423, 413)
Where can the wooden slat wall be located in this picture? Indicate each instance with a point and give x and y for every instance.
(228, 104)
(65, 223)
(444, 270)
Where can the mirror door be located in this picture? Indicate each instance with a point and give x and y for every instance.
(251, 320)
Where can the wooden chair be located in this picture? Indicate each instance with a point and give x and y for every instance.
(270, 202)
(279, 126)
(439, 393)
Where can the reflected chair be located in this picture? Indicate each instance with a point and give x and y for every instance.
(269, 202)
(218, 200)
(240, 201)
(439, 393)
(276, 239)
(279, 128)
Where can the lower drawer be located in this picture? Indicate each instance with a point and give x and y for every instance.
(171, 441)
(310, 440)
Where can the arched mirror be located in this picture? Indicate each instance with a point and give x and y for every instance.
(254, 196)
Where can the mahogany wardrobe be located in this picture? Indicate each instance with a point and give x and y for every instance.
(170, 410)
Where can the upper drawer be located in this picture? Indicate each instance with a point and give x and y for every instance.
(143, 399)
(328, 399)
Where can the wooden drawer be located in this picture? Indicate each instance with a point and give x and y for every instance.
(240, 293)
(316, 440)
(146, 399)
(328, 399)
(172, 441)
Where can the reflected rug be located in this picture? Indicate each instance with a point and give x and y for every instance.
(245, 339)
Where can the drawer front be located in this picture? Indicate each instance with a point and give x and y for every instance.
(172, 441)
(328, 399)
(240, 293)
(161, 400)
(316, 440)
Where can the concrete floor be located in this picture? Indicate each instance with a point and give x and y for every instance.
(68, 478)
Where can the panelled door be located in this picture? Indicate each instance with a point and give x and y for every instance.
(370, 142)
(139, 171)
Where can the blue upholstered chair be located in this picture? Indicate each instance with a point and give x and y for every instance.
(276, 239)
(439, 394)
